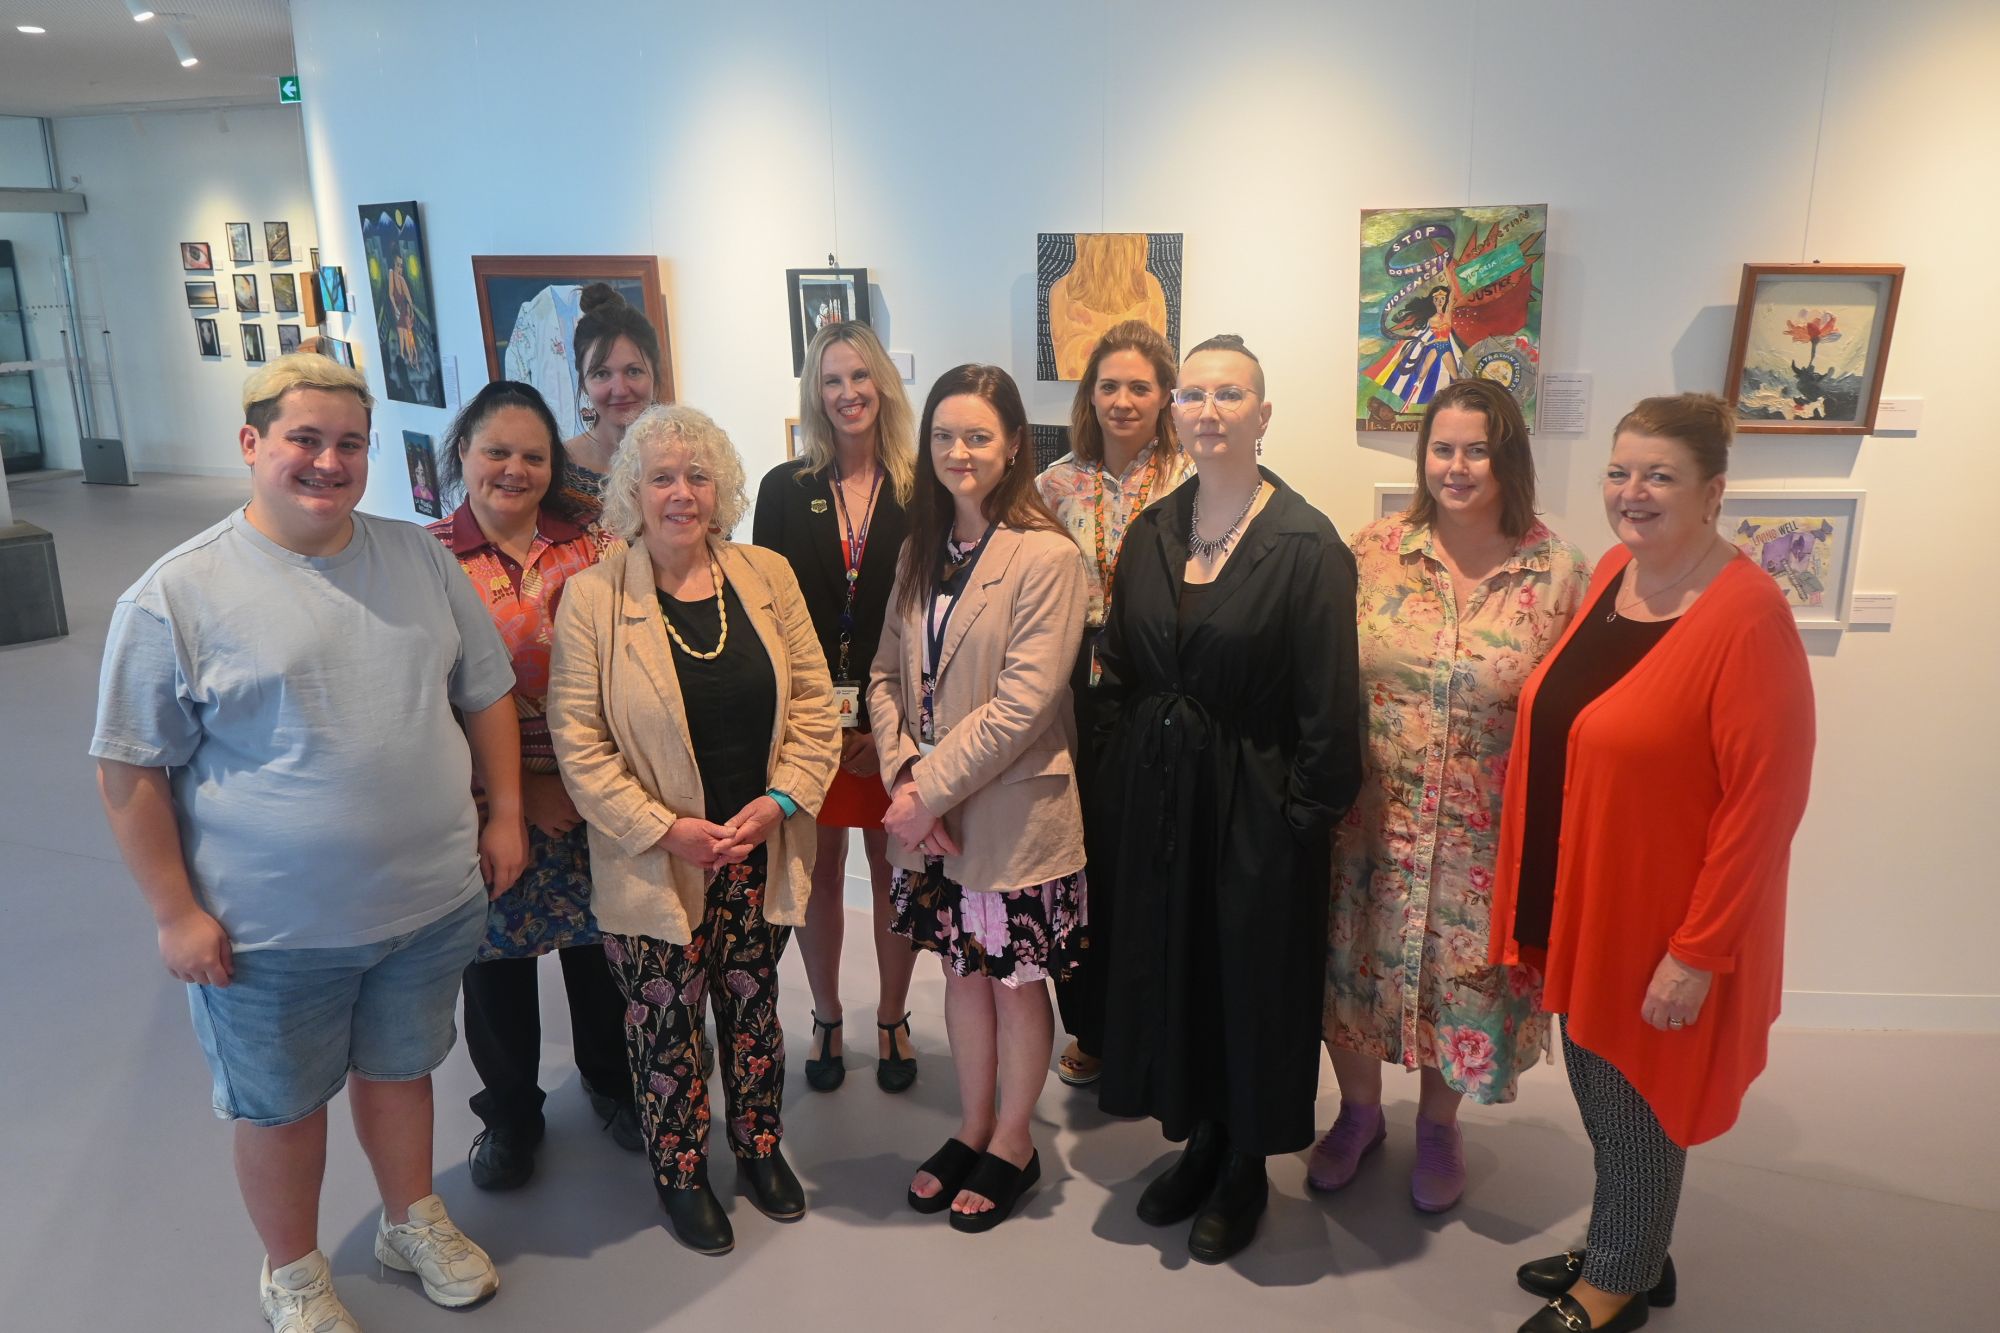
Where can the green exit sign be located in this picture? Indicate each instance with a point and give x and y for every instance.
(288, 88)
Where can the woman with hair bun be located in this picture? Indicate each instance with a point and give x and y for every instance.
(1659, 770)
(618, 366)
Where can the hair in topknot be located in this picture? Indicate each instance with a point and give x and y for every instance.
(604, 318)
(1701, 421)
(1230, 342)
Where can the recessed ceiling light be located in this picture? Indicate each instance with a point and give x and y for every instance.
(29, 28)
(178, 40)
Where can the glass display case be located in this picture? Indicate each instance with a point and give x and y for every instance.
(20, 415)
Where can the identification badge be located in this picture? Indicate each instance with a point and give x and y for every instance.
(925, 747)
(847, 702)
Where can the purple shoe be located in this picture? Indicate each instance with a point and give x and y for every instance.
(1439, 1177)
(1357, 1131)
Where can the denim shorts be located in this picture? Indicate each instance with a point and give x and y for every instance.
(281, 1037)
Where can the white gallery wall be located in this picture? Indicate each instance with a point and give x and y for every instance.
(152, 181)
(929, 143)
(24, 164)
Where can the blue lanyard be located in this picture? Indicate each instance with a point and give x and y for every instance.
(934, 627)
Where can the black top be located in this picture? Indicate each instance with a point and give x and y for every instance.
(810, 539)
(731, 701)
(1599, 655)
(1235, 747)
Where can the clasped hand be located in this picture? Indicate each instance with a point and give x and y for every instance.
(911, 823)
(708, 845)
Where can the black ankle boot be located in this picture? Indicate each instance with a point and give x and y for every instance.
(1175, 1194)
(771, 1185)
(697, 1217)
(1228, 1217)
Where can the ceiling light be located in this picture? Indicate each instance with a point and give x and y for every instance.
(178, 39)
(30, 29)
(140, 13)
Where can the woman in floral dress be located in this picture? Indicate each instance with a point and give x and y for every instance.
(1459, 598)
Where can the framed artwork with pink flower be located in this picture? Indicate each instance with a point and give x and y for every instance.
(1811, 345)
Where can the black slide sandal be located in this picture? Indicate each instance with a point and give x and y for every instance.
(949, 1166)
(1000, 1180)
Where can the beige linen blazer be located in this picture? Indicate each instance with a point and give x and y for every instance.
(621, 738)
(1002, 777)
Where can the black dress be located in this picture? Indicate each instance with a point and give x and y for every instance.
(1236, 747)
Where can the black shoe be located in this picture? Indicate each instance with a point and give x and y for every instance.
(826, 1071)
(502, 1158)
(770, 1184)
(1555, 1275)
(620, 1119)
(704, 1053)
(949, 1166)
(1176, 1193)
(696, 1216)
(893, 1072)
(1228, 1217)
(1564, 1315)
(1000, 1180)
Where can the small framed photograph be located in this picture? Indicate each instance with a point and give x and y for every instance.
(795, 438)
(208, 337)
(422, 462)
(285, 293)
(196, 258)
(1810, 347)
(253, 343)
(278, 242)
(1809, 541)
(823, 296)
(1393, 497)
(239, 243)
(332, 288)
(245, 285)
(202, 296)
(340, 350)
(313, 256)
(289, 338)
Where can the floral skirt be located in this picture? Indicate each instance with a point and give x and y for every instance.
(1017, 937)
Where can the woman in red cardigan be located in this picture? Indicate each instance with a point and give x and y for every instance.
(1658, 772)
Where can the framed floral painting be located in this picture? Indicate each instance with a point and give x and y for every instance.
(1811, 344)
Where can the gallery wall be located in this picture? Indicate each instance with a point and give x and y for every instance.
(930, 143)
(153, 181)
(24, 164)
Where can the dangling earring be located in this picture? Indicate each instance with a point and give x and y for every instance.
(585, 411)
(1260, 446)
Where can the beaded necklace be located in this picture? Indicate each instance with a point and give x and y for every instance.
(721, 610)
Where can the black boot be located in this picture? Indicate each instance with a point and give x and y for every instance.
(697, 1217)
(1177, 1192)
(619, 1118)
(1228, 1217)
(770, 1184)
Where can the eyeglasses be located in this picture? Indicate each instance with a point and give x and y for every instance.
(1228, 399)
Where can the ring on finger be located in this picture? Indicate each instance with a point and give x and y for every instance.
(1676, 1023)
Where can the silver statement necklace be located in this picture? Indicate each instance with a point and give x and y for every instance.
(1203, 549)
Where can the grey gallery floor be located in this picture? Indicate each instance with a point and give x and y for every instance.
(1859, 1191)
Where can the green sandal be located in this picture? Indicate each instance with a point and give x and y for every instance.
(827, 1071)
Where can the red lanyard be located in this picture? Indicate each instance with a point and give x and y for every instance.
(853, 546)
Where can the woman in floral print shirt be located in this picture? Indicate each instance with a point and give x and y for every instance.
(1459, 599)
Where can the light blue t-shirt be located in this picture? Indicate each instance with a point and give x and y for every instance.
(303, 705)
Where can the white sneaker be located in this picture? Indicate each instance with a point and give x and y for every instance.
(299, 1298)
(454, 1271)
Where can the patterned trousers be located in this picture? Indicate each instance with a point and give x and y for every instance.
(1639, 1172)
(733, 959)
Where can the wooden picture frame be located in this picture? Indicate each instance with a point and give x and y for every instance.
(1781, 308)
(1809, 541)
(508, 285)
(821, 296)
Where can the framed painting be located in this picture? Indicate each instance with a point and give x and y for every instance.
(311, 311)
(239, 243)
(202, 296)
(1049, 444)
(253, 342)
(312, 260)
(278, 242)
(1839, 317)
(528, 308)
(208, 337)
(290, 336)
(399, 287)
(1394, 497)
(423, 474)
(245, 287)
(795, 440)
(823, 296)
(196, 257)
(1087, 281)
(1447, 293)
(1808, 541)
(340, 350)
(285, 293)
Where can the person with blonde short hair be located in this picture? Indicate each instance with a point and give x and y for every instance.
(281, 757)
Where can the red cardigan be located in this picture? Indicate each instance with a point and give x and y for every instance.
(1686, 781)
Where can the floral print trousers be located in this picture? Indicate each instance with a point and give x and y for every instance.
(733, 956)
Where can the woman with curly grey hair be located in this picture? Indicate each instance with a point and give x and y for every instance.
(693, 719)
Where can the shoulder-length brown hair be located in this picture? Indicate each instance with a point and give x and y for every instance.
(1086, 436)
(1014, 503)
(1507, 452)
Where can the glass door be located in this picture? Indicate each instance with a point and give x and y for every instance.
(20, 417)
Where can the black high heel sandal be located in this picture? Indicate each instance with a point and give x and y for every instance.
(826, 1071)
(893, 1072)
